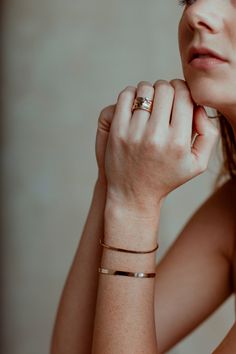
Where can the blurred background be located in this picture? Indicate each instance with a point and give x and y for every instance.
(62, 61)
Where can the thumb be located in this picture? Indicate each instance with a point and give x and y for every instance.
(206, 137)
(103, 129)
(105, 118)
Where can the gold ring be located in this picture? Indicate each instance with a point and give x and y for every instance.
(143, 103)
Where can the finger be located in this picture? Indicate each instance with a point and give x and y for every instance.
(182, 112)
(104, 125)
(123, 114)
(140, 117)
(105, 118)
(144, 90)
(194, 131)
(162, 106)
(206, 138)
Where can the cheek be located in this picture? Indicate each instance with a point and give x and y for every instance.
(180, 39)
(184, 39)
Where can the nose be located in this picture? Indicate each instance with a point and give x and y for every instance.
(203, 16)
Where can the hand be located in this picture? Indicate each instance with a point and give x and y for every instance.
(104, 124)
(149, 155)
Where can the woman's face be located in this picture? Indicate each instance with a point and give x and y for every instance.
(210, 24)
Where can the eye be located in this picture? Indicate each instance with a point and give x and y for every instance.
(185, 2)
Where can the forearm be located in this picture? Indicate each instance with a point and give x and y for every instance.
(73, 328)
(124, 320)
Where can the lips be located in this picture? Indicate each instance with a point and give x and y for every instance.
(198, 52)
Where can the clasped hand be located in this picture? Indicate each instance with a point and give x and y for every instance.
(143, 156)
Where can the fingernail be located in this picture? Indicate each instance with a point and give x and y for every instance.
(203, 111)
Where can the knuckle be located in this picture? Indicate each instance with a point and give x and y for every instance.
(181, 88)
(134, 139)
(127, 92)
(117, 139)
(179, 148)
(153, 143)
(185, 94)
(161, 83)
(149, 146)
(178, 82)
(128, 89)
(145, 84)
(106, 111)
(165, 87)
(134, 143)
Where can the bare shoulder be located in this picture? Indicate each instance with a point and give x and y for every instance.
(224, 205)
(228, 190)
(197, 269)
(220, 210)
(226, 200)
(225, 193)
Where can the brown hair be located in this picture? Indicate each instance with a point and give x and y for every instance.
(228, 146)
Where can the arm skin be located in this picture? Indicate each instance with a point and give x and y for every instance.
(184, 296)
(124, 320)
(74, 322)
(73, 329)
(228, 345)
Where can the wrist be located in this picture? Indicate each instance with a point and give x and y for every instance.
(100, 185)
(143, 210)
(129, 228)
(99, 198)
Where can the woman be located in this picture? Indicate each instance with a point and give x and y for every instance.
(156, 138)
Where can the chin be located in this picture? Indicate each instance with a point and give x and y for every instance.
(204, 94)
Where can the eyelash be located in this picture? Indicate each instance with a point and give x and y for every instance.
(184, 2)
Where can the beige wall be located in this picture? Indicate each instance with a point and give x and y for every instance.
(63, 61)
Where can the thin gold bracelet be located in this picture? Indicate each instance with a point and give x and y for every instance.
(125, 273)
(127, 251)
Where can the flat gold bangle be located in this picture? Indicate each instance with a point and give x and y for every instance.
(127, 251)
(127, 274)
